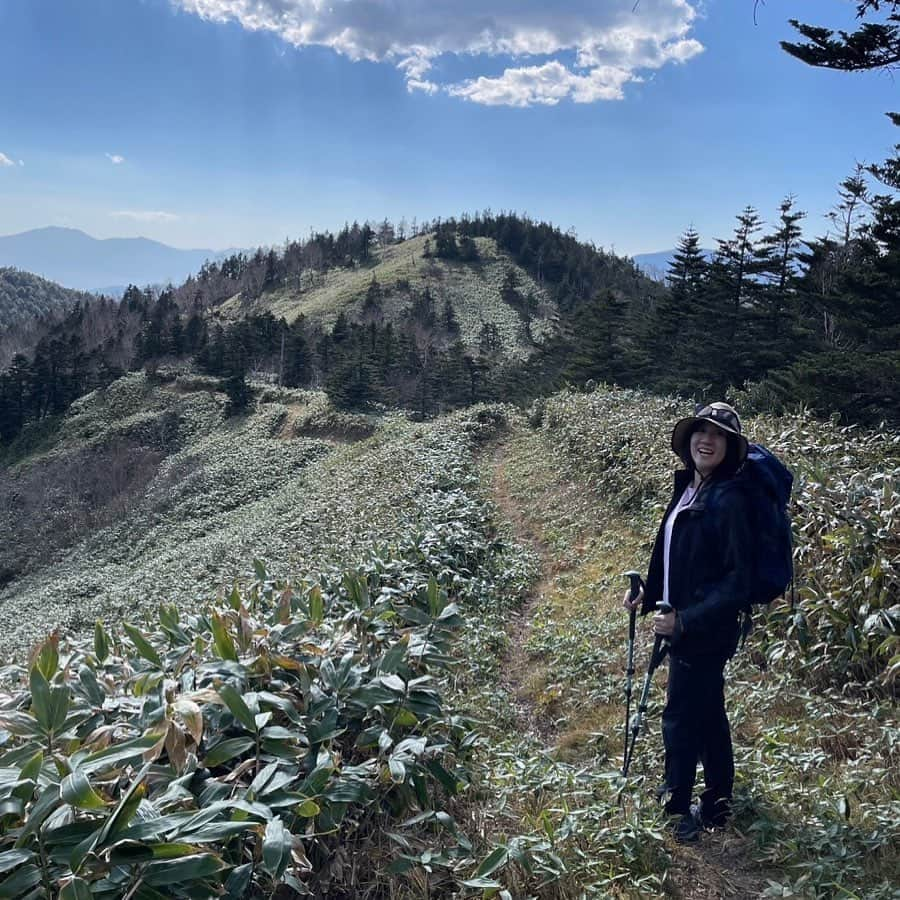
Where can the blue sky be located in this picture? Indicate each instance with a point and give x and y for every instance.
(218, 123)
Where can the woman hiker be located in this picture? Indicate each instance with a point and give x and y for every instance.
(701, 565)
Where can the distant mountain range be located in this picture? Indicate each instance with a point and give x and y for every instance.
(76, 260)
(656, 265)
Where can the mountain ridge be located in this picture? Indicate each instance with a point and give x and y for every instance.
(76, 260)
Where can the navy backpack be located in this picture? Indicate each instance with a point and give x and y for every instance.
(769, 490)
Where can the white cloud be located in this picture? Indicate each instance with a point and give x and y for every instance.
(5, 160)
(613, 43)
(145, 215)
(546, 84)
(115, 159)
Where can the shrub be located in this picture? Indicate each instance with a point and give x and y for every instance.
(242, 746)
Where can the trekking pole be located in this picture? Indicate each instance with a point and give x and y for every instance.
(660, 648)
(636, 585)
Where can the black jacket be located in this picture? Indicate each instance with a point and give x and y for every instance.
(710, 570)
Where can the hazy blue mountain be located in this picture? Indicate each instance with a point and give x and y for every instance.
(656, 265)
(76, 260)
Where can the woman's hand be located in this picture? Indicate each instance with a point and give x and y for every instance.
(630, 604)
(664, 624)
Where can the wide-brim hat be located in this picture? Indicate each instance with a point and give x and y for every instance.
(722, 415)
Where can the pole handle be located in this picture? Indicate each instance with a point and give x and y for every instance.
(636, 584)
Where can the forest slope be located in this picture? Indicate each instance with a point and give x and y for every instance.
(24, 296)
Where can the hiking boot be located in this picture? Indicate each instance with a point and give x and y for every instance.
(685, 829)
(706, 821)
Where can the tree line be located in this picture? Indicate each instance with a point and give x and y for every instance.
(794, 321)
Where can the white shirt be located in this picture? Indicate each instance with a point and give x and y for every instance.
(690, 492)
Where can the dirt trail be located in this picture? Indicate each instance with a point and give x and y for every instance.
(516, 664)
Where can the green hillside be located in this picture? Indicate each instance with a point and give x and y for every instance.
(425, 619)
(24, 296)
(473, 289)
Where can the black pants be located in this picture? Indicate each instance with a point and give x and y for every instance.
(695, 728)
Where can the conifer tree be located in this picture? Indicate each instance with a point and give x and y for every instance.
(775, 334)
(372, 308)
(598, 349)
(660, 358)
(874, 45)
(297, 361)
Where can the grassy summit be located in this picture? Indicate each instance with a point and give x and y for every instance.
(473, 290)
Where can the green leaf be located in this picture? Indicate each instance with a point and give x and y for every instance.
(262, 779)
(238, 884)
(228, 749)
(316, 606)
(277, 844)
(239, 709)
(76, 790)
(128, 853)
(397, 770)
(12, 858)
(12, 806)
(47, 659)
(308, 809)
(101, 642)
(29, 774)
(259, 568)
(76, 889)
(282, 703)
(435, 600)
(495, 860)
(40, 697)
(117, 753)
(17, 885)
(183, 871)
(59, 707)
(126, 809)
(143, 646)
(415, 615)
(145, 892)
(91, 686)
(348, 790)
(484, 883)
(448, 782)
(222, 641)
(45, 804)
(393, 659)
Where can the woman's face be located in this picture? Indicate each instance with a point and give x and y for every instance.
(708, 447)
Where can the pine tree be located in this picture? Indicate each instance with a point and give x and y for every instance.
(660, 335)
(372, 308)
(297, 357)
(874, 45)
(775, 335)
(598, 350)
(722, 340)
(449, 322)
